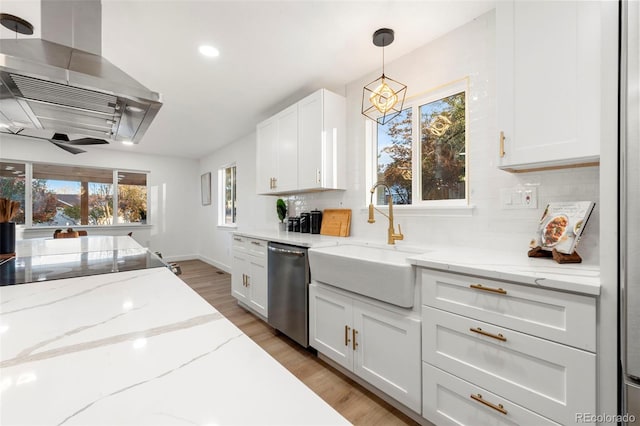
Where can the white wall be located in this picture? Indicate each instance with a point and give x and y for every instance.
(253, 211)
(468, 51)
(173, 188)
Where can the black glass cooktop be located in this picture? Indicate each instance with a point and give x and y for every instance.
(22, 270)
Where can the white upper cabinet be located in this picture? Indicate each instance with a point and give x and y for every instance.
(302, 148)
(277, 153)
(550, 73)
(321, 127)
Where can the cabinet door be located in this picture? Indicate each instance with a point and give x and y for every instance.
(321, 126)
(266, 155)
(287, 151)
(330, 329)
(257, 286)
(239, 271)
(312, 149)
(548, 82)
(387, 352)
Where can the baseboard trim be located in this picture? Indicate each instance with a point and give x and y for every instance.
(214, 263)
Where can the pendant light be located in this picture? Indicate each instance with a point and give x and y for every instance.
(383, 98)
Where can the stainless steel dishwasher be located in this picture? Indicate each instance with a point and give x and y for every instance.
(288, 291)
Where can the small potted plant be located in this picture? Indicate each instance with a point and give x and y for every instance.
(281, 209)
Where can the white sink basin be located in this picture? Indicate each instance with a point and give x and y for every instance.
(382, 273)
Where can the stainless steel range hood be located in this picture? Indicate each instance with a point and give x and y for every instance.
(48, 87)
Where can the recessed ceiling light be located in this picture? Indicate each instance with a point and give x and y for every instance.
(127, 143)
(209, 51)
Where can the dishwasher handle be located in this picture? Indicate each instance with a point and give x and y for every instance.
(287, 251)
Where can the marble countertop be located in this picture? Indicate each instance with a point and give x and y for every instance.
(514, 267)
(496, 264)
(294, 238)
(140, 348)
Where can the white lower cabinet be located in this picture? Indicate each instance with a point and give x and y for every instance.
(379, 345)
(249, 273)
(496, 352)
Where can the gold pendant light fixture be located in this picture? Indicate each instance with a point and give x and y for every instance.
(383, 98)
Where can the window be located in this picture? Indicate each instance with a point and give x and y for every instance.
(227, 196)
(421, 153)
(74, 195)
(132, 197)
(12, 186)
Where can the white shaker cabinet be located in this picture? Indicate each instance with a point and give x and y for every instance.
(549, 77)
(277, 153)
(321, 129)
(302, 148)
(505, 353)
(381, 346)
(249, 273)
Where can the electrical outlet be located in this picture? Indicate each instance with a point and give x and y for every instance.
(520, 197)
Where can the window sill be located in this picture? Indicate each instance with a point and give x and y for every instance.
(428, 211)
(86, 227)
(227, 227)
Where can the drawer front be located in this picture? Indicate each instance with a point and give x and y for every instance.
(256, 247)
(553, 380)
(239, 244)
(449, 400)
(562, 317)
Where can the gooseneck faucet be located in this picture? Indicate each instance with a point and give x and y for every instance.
(391, 235)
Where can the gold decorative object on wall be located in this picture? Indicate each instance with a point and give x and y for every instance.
(383, 98)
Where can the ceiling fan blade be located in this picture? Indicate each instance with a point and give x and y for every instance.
(87, 141)
(60, 137)
(67, 148)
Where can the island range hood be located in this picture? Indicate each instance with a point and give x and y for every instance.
(60, 83)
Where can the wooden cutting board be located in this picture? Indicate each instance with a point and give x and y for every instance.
(336, 222)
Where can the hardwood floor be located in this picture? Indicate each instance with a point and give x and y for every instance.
(355, 403)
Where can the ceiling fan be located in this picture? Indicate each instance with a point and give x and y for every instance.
(62, 141)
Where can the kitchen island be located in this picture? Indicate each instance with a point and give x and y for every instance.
(136, 347)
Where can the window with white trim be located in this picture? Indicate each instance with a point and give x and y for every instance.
(421, 155)
(62, 195)
(227, 195)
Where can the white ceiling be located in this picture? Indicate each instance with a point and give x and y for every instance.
(272, 53)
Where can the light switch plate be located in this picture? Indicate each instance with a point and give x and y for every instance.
(520, 197)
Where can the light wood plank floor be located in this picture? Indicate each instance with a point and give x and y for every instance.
(355, 403)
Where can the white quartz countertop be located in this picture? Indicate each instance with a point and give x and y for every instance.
(294, 238)
(495, 264)
(139, 348)
(51, 246)
(515, 267)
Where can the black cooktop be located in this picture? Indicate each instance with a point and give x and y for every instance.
(29, 269)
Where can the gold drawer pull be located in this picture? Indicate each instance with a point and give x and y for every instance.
(346, 335)
(355, 344)
(492, 290)
(485, 333)
(255, 243)
(499, 407)
(237, 239)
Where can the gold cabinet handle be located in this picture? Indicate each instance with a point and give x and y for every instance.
(248, 280)
(255, 243)
(499, 407)
(243, 280)
(355, 344)
(346, 335)
(237, 239)
(502, 144)
(485, 333)
(492, 290)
